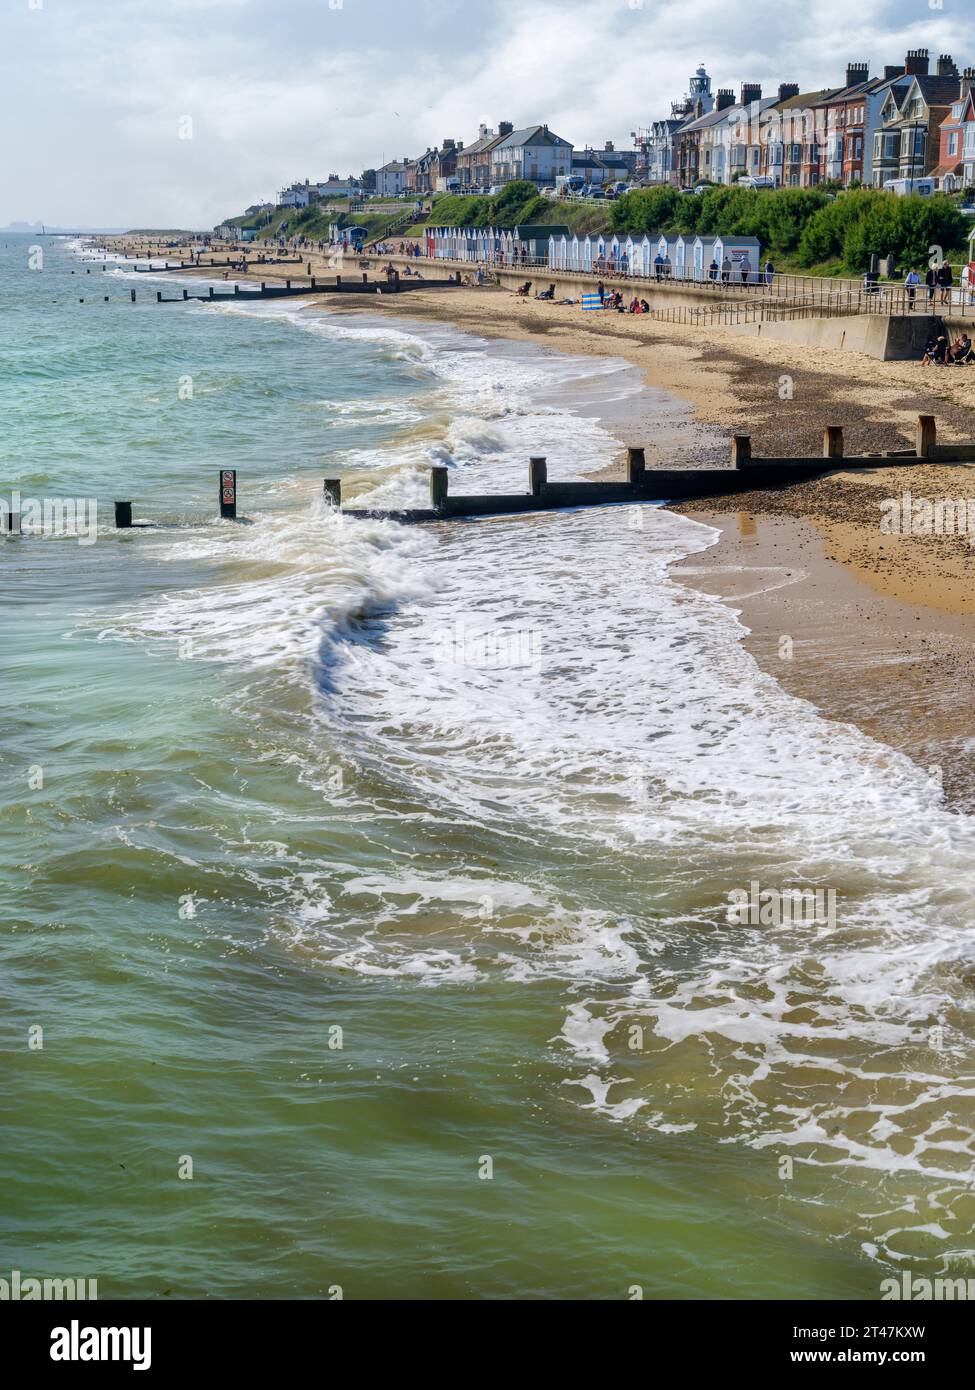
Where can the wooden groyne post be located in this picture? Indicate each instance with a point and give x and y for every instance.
(438, 487)
(537, 476)
(333, 492)
(833, 442)
(123, 516)
(927, 436)
(636, 465)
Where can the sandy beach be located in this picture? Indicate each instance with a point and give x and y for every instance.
(880, 627)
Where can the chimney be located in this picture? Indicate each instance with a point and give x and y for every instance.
(698, 109)
(946, 66)
(916, 63)
(892, 70)
(787, 90)
(610, 147)
(967, 83)
(726, 98)
(857, 73)
(750, 91)
(449, 145)
(505, 128)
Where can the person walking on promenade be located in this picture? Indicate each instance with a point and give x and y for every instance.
(911, 286)
(945, 280)
(769, 274)
(931, 281)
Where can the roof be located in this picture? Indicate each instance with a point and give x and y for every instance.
(536, 231)
(481, 145)
(807, 99)
(532, 135)
(395, 166)
(935, 91)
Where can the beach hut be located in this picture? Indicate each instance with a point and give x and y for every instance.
(664, 247)
(575, 254)
(701, 255)
(613, 247)
(586, 253)
(679, 257)
(630, 252)
(742, 252)
(599, 259)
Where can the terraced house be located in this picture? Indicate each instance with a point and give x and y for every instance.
(474, 160)
(907, 144)
(956, 165)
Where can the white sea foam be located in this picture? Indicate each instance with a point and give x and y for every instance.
(543, 684)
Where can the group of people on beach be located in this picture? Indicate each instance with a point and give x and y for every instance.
(940, 353)
(410, 248)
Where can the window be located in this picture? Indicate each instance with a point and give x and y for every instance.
(953, 143)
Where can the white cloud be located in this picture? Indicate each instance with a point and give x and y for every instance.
(295, 89)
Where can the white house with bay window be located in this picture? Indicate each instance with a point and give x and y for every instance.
(534, 153)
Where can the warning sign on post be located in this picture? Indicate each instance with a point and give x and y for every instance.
(228, 493)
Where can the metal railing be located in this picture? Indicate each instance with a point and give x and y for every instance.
(827, 295)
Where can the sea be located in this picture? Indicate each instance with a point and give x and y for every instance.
(451, 911)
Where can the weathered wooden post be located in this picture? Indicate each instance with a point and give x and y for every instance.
(636, 465)
(833, 442)
(313, 282)
(438, 487)
(132, 293)
(158, 297)
(13, 524)
(333, 493)
(211, 291)
(927, 436)
(741, 450)
(228, 494)
(537, 476)
(123, 515)
(365, 277)
(186, 294)
(338, 282)
(287, 284)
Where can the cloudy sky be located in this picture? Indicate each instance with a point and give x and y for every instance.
(95, 93)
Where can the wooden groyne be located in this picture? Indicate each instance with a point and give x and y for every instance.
(312, 286)
(642, 484)
(210, 265)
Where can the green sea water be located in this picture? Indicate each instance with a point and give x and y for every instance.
(365, 890)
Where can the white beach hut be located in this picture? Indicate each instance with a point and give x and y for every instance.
(586, 252)
(642, 256)
(742, 252)
(702, 253)
(614, 250)
(681, 245)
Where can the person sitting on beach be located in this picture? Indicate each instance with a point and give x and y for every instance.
(546, 294)
(961, 351)
(634, 306)
(523, 290)
(936, 352)
(644, 306)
